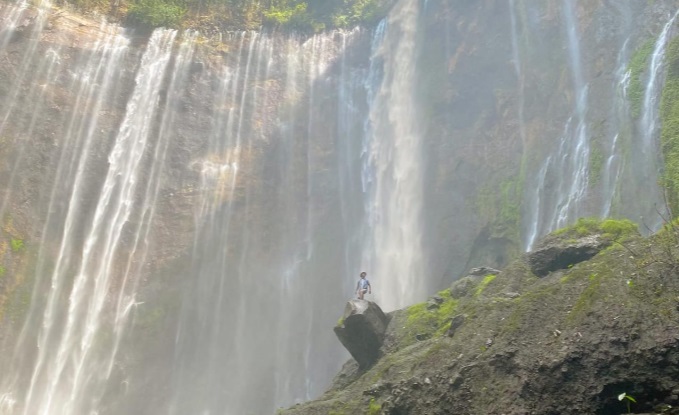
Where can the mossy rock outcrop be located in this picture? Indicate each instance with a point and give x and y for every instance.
(569, 342)
(577, 243)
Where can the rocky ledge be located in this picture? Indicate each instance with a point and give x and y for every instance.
(577, 339)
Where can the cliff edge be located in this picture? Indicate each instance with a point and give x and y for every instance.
(571, 341)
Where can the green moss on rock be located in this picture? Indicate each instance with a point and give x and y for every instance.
(669, 116)
(636, 68)
(484, 283)
(614, 229)
(374, 408)
(421, 321)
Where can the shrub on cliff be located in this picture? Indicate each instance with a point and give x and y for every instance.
(316, 15)
(156, 13)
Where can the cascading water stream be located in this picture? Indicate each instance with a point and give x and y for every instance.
(93, 84)
(394, 249)
(31, 69)
(568, 166)
(647, 162)
(62, 376)
(576, 142)
(649, 117)
(129, 286)
(613, 165)
(257, 228)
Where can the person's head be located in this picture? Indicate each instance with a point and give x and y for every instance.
(363, 274)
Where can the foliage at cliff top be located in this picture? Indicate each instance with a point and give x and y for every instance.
(306, 16)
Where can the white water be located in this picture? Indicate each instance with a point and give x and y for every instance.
(649, 115)
(568, 166)
(37, 71)
(575, 144)
(620, 115)
(60, 377)
(261, 249)
(648, 164)
(394, 261)
(66, 361)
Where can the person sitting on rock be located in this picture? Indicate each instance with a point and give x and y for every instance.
(363, 286)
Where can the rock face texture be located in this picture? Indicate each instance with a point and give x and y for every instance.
(362, 331)
(571, 343)
(558, 254)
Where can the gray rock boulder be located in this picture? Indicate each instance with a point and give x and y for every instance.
(455, 324)
(483, 271)
(556, 254)
(361, 331)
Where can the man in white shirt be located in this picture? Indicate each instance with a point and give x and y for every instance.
(363, 286)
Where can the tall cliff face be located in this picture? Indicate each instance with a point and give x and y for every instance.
(182, 217)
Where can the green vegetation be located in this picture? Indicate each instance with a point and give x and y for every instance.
(636, 68)
(501, 205)
(619, 228)
(526, 305)
(2, 271)
(373, 407)
(313, 16)
(615, 229)
(669, 116)
(420, 320)
(587, 298)
(156, 13)
(596, 164)
(17, 244)
(482, 286)
(624, 396)
(289, 15)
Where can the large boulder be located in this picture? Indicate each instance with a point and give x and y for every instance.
(559, 253)
(361, 331)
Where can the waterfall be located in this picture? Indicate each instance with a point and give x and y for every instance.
(394, 257)
(568, 166)
(516, 58)
(268, 221)
(613, 165)
(575, 141)
(647, 159)
(31, 68)
(62, 381)
(56, 377)
(197, 215)
(649, 116)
